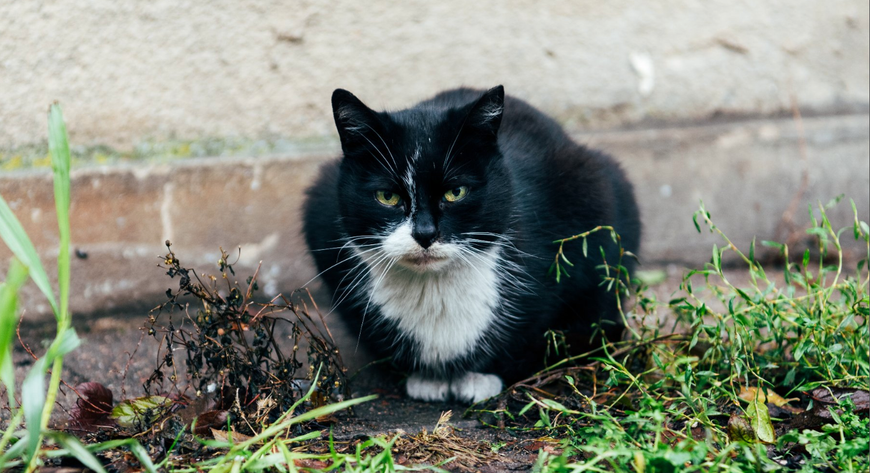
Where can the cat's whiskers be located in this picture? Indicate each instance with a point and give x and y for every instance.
(374, 288)
(461, 255)
(449, 155)
(350, 241)
(395, 165)
(513, 283)
(504, 239)
(353, 240)
(366, 266)
(336, 264)
(383, 161)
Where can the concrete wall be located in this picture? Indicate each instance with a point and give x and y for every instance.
(126, 71)
(693, 97)
(747, 173)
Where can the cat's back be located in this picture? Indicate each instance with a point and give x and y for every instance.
(524, 130)
(561, 187)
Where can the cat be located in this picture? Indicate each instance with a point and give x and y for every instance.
(435, 232)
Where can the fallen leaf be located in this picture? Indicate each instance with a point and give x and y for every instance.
(92, 408)
(140, 412)
(759, 419)
(749, 394)
(860, 398)
(311, 463)
(739, 430)
(207, 421)
(231, 437)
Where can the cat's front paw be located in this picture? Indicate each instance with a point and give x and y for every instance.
(426, 389)
(475, 387)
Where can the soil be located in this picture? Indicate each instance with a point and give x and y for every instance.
(117, 353)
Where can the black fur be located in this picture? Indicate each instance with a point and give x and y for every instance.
(529, 183)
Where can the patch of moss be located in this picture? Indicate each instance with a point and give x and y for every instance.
(36, 156)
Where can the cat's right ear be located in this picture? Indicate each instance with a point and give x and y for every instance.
(353, 119)
(485, 115)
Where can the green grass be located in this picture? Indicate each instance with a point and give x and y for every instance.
(687, 394)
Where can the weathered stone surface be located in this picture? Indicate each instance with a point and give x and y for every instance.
(130, 71)
(746, 172)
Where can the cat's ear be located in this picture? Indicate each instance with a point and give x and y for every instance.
(485, 115)
(353, 119)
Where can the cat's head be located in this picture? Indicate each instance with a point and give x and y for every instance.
(426, 187)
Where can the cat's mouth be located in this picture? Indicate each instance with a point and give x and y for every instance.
(421, 261)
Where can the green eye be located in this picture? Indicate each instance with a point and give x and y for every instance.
(456, 194)
(388, 198)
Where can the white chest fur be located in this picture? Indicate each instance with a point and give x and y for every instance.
(445, 312)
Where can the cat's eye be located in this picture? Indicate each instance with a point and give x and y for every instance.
(388, 198)
(456, 194)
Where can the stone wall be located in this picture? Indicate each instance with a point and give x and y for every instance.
(128, 71)
(694, 98)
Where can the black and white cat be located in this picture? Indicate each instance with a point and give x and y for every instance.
(435, 231)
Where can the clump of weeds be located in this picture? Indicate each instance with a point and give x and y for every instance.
(231, 370)
(754, 372)
(229, 344)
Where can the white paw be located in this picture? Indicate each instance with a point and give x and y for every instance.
(475, 387)
(426, 389)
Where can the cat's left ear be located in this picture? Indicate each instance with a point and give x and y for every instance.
(353, 119)
(485, 115)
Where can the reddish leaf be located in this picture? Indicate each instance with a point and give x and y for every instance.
(310, 463)
(831, 396)
(739, 430)
(207, 421)
(92, 408)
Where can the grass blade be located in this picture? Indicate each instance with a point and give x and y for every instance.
(33, 401)
(19, 243)
(33, 391)
(135, 447)
(16, 277)
(58, 146)
(77, 450)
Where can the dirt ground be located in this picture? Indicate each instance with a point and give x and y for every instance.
(117, 353)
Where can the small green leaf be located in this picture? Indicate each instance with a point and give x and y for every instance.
(759, 418)
(752, 250)
(773, 244)
(717, 258)
(558, 406)
(139, 412)
(545, 419)
(831, 203)
(526, 408)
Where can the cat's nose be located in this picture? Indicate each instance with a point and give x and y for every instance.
(425, 233)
